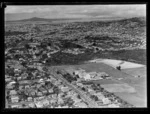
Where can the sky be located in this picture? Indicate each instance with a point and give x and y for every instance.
(74, 11)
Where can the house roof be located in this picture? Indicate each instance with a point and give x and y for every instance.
(14, 97)
(13, 92)
(81, 104)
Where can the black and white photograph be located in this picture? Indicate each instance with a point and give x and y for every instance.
(75, 56)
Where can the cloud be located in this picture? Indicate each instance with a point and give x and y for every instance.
(79, 11)
(115, 10)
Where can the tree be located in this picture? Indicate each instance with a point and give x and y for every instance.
(76, 39)
(56, 90)
(27, 46)
(31, 40)
(24, 63)
(94, 97)
(10, 72)
(17, 86)
(45, 69)
(118, 67)
(94, 44)
(78, 96)
(83, 89)
(29, 77)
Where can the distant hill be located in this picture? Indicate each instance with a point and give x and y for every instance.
(137, 20)
(41, 19)
(141, 20)
(34, 19)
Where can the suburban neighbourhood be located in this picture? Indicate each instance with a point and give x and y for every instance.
(72, 63)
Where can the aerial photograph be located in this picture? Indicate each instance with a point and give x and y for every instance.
(75, 56)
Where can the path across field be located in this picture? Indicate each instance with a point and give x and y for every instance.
(114, 63)
(132, 89)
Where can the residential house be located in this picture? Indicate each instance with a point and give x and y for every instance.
(44, 91)
(70, 93)
(54, 96)
(65, 89)
(32, 93)
(30, 99)
(9, 86)
(14, 99)
(13, 92)
(81, 105)
(45, 102)
(91, 91)
(92, 74)
(39, 94)
(7, 79)
(50, 90)
(113, 106)
(106, 101)
(75, 99)
(65, 106)
(18, 78)
(39, 104)
(25, 82)
(12, 83)
(16, 106)
(60, 100)
(87, 77)
(80, 84)
(52, 101)
(100, 95)
(32, 105)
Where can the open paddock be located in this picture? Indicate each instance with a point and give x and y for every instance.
(119, 88)
(113, 63)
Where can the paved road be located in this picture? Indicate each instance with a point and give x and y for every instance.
(86, 98)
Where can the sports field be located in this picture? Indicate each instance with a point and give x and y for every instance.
(130, 88)
(114, 63)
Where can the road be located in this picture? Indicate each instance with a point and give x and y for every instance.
(86, 98)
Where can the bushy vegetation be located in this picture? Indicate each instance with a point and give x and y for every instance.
(69, 78)
(60, 58)
(69, 45)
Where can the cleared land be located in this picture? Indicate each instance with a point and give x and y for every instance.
(106, 81)
(133, 99)
(129, 88)
(114, 63)
(119, 88)
(136, 71)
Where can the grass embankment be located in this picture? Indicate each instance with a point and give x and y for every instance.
(60, 58)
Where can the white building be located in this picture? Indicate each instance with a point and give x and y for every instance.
(113, 106)
(32, 105)
(14, 99)
(87, 77)
(65, 106)
(13, 92)
(106, 101)
(65, 89)
(92, 74)
(50, 90)
(39, 104)
(16, 106)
